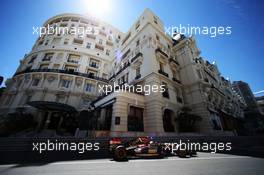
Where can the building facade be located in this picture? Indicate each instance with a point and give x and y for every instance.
(260, 102)
(243, 89)
(70, 69)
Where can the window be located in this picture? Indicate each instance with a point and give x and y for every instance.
(155, 20)
(48, 57)
(91, 74)
(35, 82)
(122, 79)
(70, 68)
(47, 42)
(138, 71)
(100, 41)
(65, 83)
(88, 45)
(72, 58)
(107, 52)
(161, 66)
(40, 42)
(157, 37)
(137, 25)
(126, 78)
(99, 47)
(173, 73)
(138, 42)
(166, 92)
(94, 64)
(66, 41)
(32, 59)
(135, 119)
(117, 120)
(89, 87)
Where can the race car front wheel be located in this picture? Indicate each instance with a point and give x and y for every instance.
(120, 154)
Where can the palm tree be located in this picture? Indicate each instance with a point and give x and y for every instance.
(187, 120)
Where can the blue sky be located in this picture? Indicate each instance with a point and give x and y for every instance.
(238, 56)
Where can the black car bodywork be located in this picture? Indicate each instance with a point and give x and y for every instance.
(141, 147)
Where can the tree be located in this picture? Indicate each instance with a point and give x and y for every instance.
(187, 120)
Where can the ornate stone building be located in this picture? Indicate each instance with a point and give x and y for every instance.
(66, 71)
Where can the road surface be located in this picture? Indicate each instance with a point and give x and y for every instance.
(204, 163)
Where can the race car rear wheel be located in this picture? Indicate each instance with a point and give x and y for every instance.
(181, 153)
(120, 154)
(161, 152)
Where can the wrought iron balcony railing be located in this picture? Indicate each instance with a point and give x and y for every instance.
(71, 72)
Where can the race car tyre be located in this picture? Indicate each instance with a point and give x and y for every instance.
(161, 152)
(182, 154)
(120, 154)
(193, 153)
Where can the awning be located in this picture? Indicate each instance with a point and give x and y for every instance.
(52, 106)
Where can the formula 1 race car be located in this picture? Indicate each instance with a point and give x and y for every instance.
(143, 147)
(139, 147)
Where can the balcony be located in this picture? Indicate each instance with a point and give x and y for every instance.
(73, 61)
(135, 57)
(174, 61)
(46, 59)
(102, 33)
(163, 73)
(176, 80)
(70, 72)
(77, 41)
(125, 66)
(109, 43)
(113, 76)
(138, 76)
(179, 100)
(162, 52)
(210, 74)
(90, 36)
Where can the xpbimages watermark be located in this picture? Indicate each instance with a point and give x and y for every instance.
(73, 30)
(212, 147)
(56, 145)
(212, 31)
(146, 89)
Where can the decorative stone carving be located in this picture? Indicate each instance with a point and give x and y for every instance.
(51, 78)
(79, 82)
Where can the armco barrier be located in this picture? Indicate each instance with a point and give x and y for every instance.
(19, 150)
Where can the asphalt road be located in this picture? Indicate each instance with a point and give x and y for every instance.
(204, 163)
